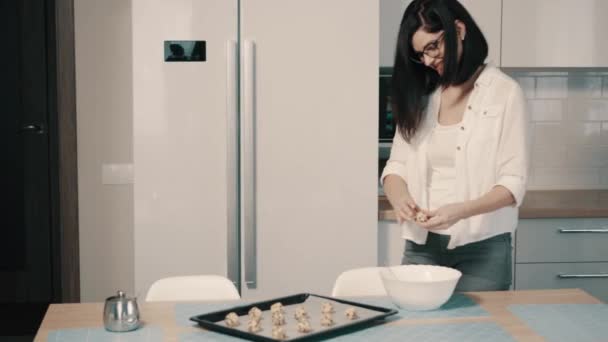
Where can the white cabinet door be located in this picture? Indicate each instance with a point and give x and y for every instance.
(555, 33)
(316, 139)
(390, 243)
(486, 14)
(181, 127)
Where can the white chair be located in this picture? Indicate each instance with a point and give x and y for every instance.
(192, 288)
(359, 282)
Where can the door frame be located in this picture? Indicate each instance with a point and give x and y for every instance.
(63, 151)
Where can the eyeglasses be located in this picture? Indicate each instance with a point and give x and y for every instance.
(431, 49)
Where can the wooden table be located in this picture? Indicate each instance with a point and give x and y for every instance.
(65, 316)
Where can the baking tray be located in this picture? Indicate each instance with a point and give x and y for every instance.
(368, 314)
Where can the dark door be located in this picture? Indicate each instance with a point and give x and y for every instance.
(25, 231)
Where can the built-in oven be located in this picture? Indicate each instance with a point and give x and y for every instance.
(387, 126)
(386, 123)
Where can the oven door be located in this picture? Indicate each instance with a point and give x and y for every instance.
(386, 124)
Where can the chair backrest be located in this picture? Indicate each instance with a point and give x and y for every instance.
(359, 282)
(192, 288)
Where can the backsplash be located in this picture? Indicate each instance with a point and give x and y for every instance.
(569, 128)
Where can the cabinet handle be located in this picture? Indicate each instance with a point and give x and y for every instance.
(580, 276)
(571, 231)
(33, 128)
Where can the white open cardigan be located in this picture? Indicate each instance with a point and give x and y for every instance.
(492, 149)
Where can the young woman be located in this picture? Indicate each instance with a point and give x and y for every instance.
(460, 154)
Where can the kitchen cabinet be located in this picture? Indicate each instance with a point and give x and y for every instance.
(486, 13)
(258, 161)
(563, 253)
(554, 33)
(564, 275)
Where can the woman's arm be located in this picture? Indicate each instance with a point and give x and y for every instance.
(394, 182)
(399, 196)
(495, 199)
(514, 147)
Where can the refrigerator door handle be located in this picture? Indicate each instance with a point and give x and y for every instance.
(248, 158)
(232, 125)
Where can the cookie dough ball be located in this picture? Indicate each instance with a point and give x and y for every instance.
(278, 333)
(351, 313)
(278, 318)
(277, 307)
(301, 313)
(255, 313)
(327, 308)
(254, 326)
(304, 326)
(421, 217)
(327, 320)
(232, 320)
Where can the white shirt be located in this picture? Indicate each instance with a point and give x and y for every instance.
(442, 170)
(492, 148)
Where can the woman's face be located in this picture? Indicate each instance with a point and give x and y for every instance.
(429, 47)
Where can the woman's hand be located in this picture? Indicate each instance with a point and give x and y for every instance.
(399, 196)
(445, 217)
(405, 208)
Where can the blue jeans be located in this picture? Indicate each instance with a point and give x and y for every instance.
(485, 265)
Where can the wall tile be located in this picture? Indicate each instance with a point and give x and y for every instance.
(530, 176)
(585, 87)
(551, 87)
(587, 110)
(548, 134)
(582, 133)
(587, 156)
(552, 73)
(548, 156)
(546, 110)
(604, 177)
(566, 177)
(532, 134)
(604, 134)
(528, 85)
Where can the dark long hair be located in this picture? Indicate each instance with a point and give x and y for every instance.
(412, 82)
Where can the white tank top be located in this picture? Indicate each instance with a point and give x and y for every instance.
(442, 170)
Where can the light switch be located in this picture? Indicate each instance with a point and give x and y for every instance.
(112, 174)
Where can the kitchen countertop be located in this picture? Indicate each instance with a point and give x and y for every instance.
(542, 204)
(162, 317)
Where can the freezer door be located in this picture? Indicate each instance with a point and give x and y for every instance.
(310, 100)
(185, 174)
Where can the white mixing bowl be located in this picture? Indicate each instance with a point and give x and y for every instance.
(419, 287)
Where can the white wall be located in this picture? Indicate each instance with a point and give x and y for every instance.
(104, 119)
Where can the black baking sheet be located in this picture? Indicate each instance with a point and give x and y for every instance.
(369, 315)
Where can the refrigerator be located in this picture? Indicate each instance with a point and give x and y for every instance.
(255, 140)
